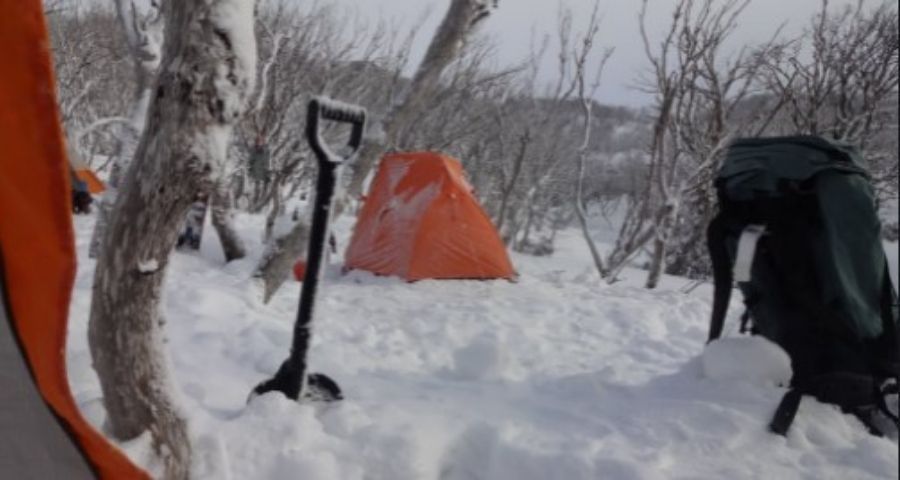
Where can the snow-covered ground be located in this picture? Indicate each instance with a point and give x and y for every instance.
(557, 376)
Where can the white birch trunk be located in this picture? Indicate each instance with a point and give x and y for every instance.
(223, 221)
(448, 42)
(583, 220)
(206, 75)
(664, 224)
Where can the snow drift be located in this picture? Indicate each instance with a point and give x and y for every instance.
(557, 376)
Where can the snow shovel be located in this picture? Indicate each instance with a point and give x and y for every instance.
(291, 378)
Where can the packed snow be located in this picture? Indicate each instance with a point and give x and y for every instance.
(556, 376)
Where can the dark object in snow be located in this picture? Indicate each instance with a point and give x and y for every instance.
(81, 195)
(798, 230)
(192, 232)
(81, 202)
(291, 378)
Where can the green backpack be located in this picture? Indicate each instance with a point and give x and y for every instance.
(797, 229)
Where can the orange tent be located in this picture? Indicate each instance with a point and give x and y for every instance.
(85, 174)
(94, 184)
(42, 433)
(420, 220)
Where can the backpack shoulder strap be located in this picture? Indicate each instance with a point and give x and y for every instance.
(890, 340)
(722, 275)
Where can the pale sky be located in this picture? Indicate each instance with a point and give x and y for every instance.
(512, 23)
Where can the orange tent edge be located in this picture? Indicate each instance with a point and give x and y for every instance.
(94, 184)
(36, 231)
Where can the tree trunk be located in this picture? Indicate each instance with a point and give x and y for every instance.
(448, 41)
(665, 221)
(507, 189)
(223, 222)
(207, 73)
(656, 263)
(276, 211)
(581, 213)
(144, 44)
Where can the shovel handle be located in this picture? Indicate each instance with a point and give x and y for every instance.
(324, 108)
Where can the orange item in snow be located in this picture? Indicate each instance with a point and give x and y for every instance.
(299, 270)
(94, 184)
(37, 269)
(84, 172)
(420, 220)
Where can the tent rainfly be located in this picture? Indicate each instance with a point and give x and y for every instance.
(42, 433)
(420, 220)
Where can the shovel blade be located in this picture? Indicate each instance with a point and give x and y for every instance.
(289, 381)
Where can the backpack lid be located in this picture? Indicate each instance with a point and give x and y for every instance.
(755, 167)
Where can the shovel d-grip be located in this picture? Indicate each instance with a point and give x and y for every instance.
(292, 379)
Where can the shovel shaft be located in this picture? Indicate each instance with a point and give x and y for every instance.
(325, 184)
(329, 164)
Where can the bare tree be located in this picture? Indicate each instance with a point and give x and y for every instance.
(89, 61)
(840, 79)
(534, 141)
(586, 92)
(698, 109)
(206, 75)
(460, 21)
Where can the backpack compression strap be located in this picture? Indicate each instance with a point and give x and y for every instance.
(721, 265)
(856, 394)
(743, 263)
